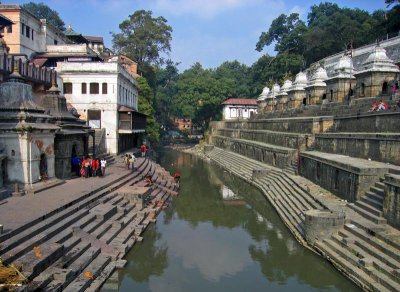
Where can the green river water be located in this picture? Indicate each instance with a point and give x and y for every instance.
(221, 234)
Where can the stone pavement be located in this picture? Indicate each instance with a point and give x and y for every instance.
(17, 211)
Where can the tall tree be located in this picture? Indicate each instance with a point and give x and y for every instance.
(41, 10)
(145, 105)
(144, 38)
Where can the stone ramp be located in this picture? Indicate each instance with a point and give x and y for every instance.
(82, 243)
(366, 252)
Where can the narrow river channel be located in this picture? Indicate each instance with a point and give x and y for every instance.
(221, 234)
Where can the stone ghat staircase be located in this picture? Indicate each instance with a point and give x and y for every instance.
(77, 247)
(366, 252)
(289, 198)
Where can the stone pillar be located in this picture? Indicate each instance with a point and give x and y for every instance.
(321, 225)
(391, 201)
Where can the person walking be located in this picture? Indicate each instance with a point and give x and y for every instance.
(103, 164)
(132, 160)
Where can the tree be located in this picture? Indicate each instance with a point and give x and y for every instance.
(287, 32)
(143, 38)
(41, 10)
(145, 106)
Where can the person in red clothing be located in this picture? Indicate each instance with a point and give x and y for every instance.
(143, 150)
(177, 178)
(95, 166)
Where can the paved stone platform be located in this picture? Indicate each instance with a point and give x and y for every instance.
(17, 211)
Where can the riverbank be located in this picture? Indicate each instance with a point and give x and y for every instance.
(360, 249)
(76, 234)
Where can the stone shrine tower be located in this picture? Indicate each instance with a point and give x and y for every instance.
(376, 74)
(316, 87)
(339, 85)
(297, 93)
(26, 134)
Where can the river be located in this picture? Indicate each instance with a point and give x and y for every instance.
(221, 234)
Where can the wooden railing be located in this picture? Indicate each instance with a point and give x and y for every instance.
(28, 70)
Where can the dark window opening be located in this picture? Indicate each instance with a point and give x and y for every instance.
(32, 33)
(67, 88)
(84, 88)
(318, 173)
(324, 96)
(94, 88)
(28, 32)
(9, 28)
(55, 42)
(22, 28)
(336, 180)
(384, 87)
(104, 88)
(304, 101)
(331, 95)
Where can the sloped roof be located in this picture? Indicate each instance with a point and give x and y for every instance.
(240, 101)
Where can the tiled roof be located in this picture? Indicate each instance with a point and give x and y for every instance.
(241, 101)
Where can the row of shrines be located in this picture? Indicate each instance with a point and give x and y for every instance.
(375, 76)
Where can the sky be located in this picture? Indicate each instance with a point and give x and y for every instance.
(205, 31)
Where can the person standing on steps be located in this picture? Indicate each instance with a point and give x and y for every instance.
(103, 164)
(143, 150)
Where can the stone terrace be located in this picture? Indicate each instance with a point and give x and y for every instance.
(349, 163)
(76, 234)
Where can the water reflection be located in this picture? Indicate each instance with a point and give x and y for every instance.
(204, 242)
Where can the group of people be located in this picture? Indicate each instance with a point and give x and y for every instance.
(129, 161)
(89, 166)
(379, 106)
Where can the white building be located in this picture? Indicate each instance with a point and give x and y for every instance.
(239, 108)
(106, 96)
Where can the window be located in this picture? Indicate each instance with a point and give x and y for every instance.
(104, 88)
(28, 32)
(32, 33)
(67, 88)
(94, 88)
(55, 42)
(83, 88)
(9, 28)
(22, 28)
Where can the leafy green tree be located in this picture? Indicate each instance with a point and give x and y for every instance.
(199, 95)
(287, 32)
(237, 72)
(145, 105)
(41, 10)
(144, 38)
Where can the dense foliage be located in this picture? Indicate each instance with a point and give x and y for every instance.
(42, 11)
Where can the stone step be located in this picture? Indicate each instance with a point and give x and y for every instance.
(373, 200)
(370, 249)
(353, 271)
(107, 271)
(367, 215)
(380, 183)
(38, 259)
(92, 271)
(309, 202)
(73, 254)
(371, 209)
(76, 268)
(19, 247)
(372, 240)
(378, 270)
(378, 191)
(294, 217)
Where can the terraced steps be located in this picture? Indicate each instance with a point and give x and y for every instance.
(365, 249)
(82, 243)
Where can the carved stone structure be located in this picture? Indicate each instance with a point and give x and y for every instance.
(316, 87)
(26, 132)
(297, 93)
(376, 74)
(72, 138)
